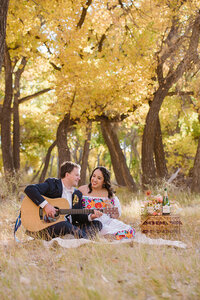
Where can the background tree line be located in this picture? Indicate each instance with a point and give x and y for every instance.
(104, 82)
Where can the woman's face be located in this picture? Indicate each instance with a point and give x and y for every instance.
(97, 179)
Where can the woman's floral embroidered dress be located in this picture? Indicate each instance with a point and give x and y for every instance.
(110, 225)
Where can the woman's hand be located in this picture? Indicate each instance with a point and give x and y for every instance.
(96, 214)
(109, 205)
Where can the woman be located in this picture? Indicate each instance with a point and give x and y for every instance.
(99, 195)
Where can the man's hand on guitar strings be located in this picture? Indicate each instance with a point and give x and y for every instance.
(50, 210)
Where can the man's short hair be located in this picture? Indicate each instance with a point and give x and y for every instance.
(67, 167)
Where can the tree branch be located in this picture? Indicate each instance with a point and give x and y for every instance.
(84, 12)
(103, 37)
(47, 159)
(55, 67)
(169, 46)
(100, 45)
(181, 93)
(24, 99)
(190, 57)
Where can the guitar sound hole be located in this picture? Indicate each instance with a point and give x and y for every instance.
(57, 211)
(49, 219)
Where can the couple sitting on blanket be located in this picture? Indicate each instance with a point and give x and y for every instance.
(98, 194)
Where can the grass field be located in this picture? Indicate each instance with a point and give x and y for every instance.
(29, 270)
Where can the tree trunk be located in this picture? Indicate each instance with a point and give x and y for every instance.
(3, 19)
(122, 173)
(195, 186)
(46, 164)
(149, 137)
(161, 167)
(16, 134)
(6, 118)
(75, 153)
(16, 124)
(133, 142)
(37, 173)
(63, 149)
(51, 166)
(85, 155)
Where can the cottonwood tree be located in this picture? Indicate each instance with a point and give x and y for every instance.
(179, 56)
(195, 101)
(3, 19)
(109, 58)
(195, 186)
(21, 45)
(77, 66)
(169, 45)
(165, 36)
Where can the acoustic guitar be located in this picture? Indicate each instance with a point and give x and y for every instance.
(34, 218)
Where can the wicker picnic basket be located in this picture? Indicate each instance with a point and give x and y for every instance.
(164, 224)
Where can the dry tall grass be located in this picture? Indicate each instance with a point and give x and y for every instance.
(29, 270)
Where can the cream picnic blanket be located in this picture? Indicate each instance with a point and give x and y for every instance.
(71, 242)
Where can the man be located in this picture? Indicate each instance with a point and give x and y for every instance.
(82, 226)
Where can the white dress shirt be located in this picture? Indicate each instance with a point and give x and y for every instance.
(67, 194)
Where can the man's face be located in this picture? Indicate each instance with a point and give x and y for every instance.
(72, 179)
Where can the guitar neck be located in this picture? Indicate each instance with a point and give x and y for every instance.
(76, 211)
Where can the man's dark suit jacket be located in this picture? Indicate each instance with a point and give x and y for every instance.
(52, 188)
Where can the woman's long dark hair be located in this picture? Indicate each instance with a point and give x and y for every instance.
(106, 184)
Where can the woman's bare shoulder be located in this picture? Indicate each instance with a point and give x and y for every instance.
(83, 189)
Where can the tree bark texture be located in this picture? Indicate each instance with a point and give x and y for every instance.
(37, 173)
(85, 155)
(46, 164)
(6, 118)
(84, 13)
(16, 123)
(195, 186)
(51, 166)
(161, 168)
(148, 142)
(122, 173)
(148, 139)
(3, 20)
(63, 149)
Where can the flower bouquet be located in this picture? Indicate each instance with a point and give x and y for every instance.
(152, 206)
